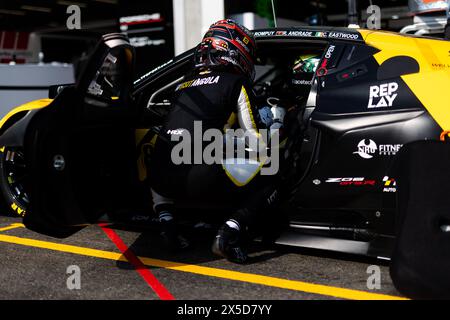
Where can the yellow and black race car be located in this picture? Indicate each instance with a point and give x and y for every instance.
(66, 162)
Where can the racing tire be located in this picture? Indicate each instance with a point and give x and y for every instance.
(13, 179)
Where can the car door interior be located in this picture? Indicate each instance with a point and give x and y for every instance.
(80, 149)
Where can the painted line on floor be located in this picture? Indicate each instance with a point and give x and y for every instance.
(138, 265)
(208, 271)
(12, 226)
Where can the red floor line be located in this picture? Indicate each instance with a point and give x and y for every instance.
(151, 280)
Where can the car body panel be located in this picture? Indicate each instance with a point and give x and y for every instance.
(36, 104)
(430, 85)
(14, 124)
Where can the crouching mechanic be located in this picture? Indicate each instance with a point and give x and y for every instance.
(218, 93)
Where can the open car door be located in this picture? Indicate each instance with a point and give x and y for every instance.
(80, 148)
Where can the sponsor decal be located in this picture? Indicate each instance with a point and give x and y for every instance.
(198, 82)
(243, 45)
(389, 149)
(440, 66)
(176, 132)
(382, 96)
(321, 34)
(351, 181)
(322, 70)
(389, 185)
(330, 52)
(153, 71)
(301, 82)
(368, 148)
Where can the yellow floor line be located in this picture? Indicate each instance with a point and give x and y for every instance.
(12, 226)
(207, 271)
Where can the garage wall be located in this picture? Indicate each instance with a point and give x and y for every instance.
(191, 20)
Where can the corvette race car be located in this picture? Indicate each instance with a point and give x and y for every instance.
(69, 160)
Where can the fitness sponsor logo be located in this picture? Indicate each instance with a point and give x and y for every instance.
(382, 96)
(389, 185)
(368, 148)
(352, 181)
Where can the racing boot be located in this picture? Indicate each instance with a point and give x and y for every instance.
(172, 239)
(169, 232)
(229, 243)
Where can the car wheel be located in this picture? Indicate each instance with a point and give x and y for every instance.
(13, 180)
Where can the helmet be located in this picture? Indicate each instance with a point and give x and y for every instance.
(306, 64)
(227, 44)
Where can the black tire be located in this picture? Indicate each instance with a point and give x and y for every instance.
(13, 181)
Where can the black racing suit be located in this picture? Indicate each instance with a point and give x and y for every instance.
(219, 100)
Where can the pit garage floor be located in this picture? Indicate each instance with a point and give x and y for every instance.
(120, 264)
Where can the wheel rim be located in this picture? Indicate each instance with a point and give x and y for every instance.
(16, 176)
